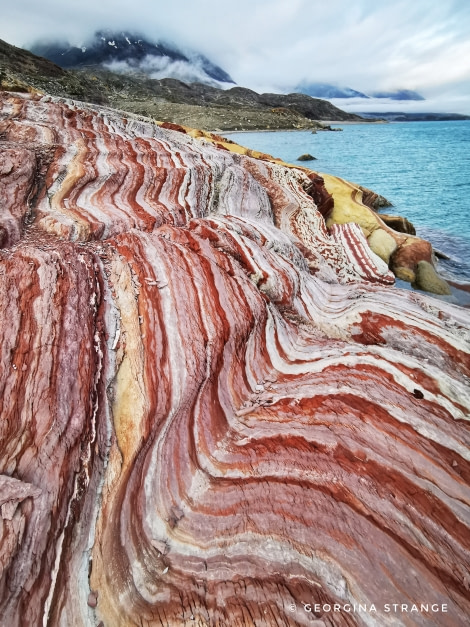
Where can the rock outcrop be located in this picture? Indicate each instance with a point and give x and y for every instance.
(402, 251)
(213, 410)
(372, 199)
(398, 223)
(383, 244)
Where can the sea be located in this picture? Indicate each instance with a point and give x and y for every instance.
(422, 168)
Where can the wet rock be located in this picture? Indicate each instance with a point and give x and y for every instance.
(428, 280)
(403, 273)
(409, 253)
(373, 200)
(440, 255)
(398, 223)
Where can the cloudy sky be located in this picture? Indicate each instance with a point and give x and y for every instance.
(369, 45)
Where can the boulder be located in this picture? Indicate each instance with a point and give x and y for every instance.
(405, 274)
(349, 206)
(306, 157)
(398, 223)
(404, 260)
(372, 199)
(383, 244)
(428, 280)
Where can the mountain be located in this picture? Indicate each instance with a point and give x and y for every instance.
(400, 94)
(400, 116)
(130, 52)
(325, 90)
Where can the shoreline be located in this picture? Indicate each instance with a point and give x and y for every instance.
(300, 130)
(459, 287)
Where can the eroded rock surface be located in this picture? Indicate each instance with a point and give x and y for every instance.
(213, 411)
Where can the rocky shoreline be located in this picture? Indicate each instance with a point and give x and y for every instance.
(391, 237)
(236, 109)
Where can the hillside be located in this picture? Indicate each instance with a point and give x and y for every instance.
(196, 104)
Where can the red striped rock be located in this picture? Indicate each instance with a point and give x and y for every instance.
(17, 168)
(213, 411)
(368, 265)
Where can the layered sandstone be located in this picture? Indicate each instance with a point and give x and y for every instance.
(213, 410)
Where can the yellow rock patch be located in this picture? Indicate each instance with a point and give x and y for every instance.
(348, 205)
(383, 244)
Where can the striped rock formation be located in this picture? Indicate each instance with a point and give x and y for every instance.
(400, 249)
(213, 410)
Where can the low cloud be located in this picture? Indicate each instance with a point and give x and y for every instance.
(191, 71)
(446, 104)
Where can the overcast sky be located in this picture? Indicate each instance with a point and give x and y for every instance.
(423, 45)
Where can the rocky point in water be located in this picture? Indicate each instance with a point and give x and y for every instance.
(214, 409)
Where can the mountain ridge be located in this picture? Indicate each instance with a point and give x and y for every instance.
(328, 90)
(402, 116)
(131, 52)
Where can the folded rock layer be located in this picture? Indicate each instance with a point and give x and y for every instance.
(214, 411)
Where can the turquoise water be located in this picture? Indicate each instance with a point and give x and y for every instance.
(423, 168)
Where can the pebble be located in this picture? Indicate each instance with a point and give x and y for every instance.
(92, 599)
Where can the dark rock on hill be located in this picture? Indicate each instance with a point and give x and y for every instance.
(203, 106)
(20, 70)
(198, 94)
(311, 108)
